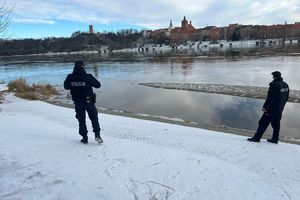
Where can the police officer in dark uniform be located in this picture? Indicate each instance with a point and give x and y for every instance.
(278, 95)
(81, 85)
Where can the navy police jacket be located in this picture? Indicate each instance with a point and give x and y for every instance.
(278, 95)
(81, 84)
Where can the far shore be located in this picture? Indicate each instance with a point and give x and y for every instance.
(156, 52)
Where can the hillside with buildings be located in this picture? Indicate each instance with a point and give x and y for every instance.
(138, 41)
(232, 32)
(79, 41)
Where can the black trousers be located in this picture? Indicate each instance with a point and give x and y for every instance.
(265, 121)
(81, 107)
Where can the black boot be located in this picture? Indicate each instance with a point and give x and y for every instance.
(98, 138)
(272, 140)
(253, 139)
(84, 140)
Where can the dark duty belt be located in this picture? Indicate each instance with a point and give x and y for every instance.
(88, 99)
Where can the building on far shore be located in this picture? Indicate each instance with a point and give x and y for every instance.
(187, 32)
(159, 35)
(184, 33)
(91, 29)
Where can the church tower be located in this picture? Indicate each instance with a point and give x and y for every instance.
(184, 23)
(91, 29)
(171, 24)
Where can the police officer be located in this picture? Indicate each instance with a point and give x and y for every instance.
(278, 95)
(80, 83)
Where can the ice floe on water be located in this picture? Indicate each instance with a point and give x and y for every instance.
(233, 90)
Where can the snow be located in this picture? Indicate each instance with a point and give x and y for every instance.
(193, 46)
(161, 117)
(41, 158)
(3, 87)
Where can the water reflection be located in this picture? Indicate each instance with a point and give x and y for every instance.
(205, 109)
(187, 66)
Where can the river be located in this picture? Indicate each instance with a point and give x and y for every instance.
(120, 89)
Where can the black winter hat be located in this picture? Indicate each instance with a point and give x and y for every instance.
(276, 74)
(79, 63)
(78, 68)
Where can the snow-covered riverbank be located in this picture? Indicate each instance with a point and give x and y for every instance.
(206, 46)
(41, 158)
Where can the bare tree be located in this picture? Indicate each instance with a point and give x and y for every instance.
(5, 16)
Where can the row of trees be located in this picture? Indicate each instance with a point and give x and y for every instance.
(79, 41)
(124, 38)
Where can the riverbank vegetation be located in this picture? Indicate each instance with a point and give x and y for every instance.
(1, 93)
(79, 41)
(32, 92)
(1, 97)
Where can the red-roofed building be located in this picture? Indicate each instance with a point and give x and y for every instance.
(187, 32)
(295, 30)
(184, 33)
(159, 35)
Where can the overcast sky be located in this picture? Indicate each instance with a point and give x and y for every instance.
(43, 18)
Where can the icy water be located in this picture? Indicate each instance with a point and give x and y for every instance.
(120, 89)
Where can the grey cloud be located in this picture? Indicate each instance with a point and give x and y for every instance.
(158, 12)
